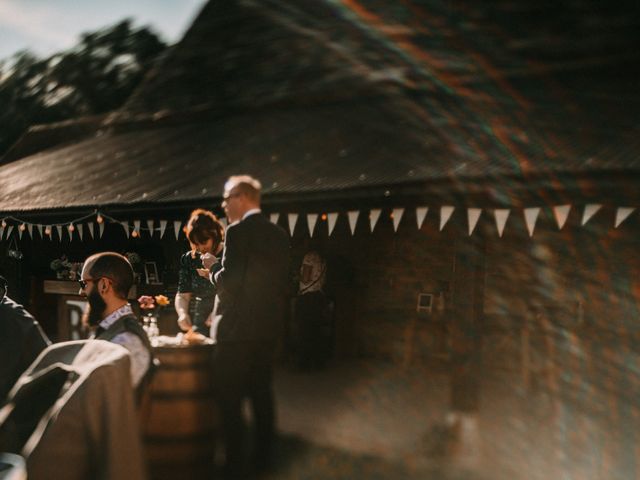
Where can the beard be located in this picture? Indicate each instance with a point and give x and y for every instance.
(96, 309)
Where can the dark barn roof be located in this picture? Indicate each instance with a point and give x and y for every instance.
(334, 99)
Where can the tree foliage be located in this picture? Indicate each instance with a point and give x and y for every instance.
(95, 76)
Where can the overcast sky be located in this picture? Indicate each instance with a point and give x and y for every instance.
(48, 26)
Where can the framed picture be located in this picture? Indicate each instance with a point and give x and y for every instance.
(425, 302)
(151, 273)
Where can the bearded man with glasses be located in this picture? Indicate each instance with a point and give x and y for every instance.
(105, 282)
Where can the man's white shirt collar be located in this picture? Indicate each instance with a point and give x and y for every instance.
(253, 211)
(113, 317)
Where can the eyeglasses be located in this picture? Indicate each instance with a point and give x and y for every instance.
(84, 282)
(228, 196)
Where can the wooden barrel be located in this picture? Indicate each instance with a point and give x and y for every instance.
(179, 417)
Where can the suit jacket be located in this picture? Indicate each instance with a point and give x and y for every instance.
(252, 283)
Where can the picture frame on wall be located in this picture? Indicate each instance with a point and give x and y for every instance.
(151, 273)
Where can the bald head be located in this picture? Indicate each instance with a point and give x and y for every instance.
(113, 266)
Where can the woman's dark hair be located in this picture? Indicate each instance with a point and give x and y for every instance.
(202, 226)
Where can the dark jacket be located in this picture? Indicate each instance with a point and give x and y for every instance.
(21, 340)
(252, 284)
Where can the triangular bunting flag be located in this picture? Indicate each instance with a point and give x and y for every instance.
(312, 219)
(421, 213)
(90, 227)
(9, 230)
(531, 217)
(19, 233)
(150, 227)
(274, 217)
(501, 215)
(163, 227)
(125, 225)
(473, 214)
(30, 229)
(561, 213)
(101, 228)
(353, 219)
(622, 213)
(176, 227)
(39, 227)
(80, 230)
(397, 216)
(1, 232)
(59, 229)
(589, 211)
(293, 219)
(374, 215)
(332, 217)
(445, 214)
(136, 226)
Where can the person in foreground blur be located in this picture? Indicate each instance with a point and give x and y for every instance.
(21, 340)
(248, 321)
(195, 296)
(105, 282)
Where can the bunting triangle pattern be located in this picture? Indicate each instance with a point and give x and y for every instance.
(59, 229)
(101, 229)
(90, 227)
(39, 227)
(312, 219)
(1, 232)
(136, 226)
(332, 217)
(445, 214)
(274, 217)
(473, 215)
(150, 227)
(163, 227)
(353, 220)
(421, 213)
(397, 216)
(80, 230)
(293, 219)
(9, 230)
(622, 213)
(19, 233)
(531, 217)
(176, 227)
(501, 214)
(561, 213)
(589, 211)
(374, 215)
(125, 225)
(30, 229)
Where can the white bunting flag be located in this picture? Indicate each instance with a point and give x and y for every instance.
(30, 229)
(501, 214)
(163, 227)
(622, 213)
(332, 217)
(80, 230)
(589, 211)
(312, 219)
(176, 227)
(59, 229)
(9, 230)
(19, 233)
(136, 226)
(353, 220)
(125, 225)
(90, 227)
(397, 216)
(531, 217)
(101, 228)
(445, 214)
(39, 227)
(1, 232)
(293, 219)
(473, 214)
(561, 213)
(150, 227)
(421, 213)
(374, 215)
(274, 217)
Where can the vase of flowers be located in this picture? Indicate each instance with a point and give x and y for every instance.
(151, 306)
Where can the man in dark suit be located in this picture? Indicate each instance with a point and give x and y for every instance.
(247, 321)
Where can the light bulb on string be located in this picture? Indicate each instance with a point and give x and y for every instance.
(47, 231)
(4, 223)
(71, 227)
(22, 227)
(99, 219)
(135, 234)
